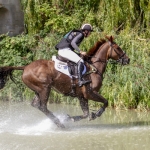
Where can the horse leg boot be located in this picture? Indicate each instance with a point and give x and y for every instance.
(80, 69)
(85, 109)
(93, 95)
(97, 114)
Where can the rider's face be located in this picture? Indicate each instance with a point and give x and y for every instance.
(87, 33)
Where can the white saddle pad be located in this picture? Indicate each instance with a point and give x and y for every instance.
(63, 67)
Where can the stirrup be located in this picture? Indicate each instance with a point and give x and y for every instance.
(84, 82)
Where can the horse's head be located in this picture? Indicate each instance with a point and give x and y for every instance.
(116, 53)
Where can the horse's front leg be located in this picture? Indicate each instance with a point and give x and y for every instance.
(93, 95)
(85, 109)
(40, 102)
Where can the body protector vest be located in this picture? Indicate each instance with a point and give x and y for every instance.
(67, 39)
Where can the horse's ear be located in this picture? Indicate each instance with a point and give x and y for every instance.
(110, 38)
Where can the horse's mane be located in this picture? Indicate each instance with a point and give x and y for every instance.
(95, 48)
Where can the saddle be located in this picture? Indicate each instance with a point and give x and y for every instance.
(72, 67)
(67, 67)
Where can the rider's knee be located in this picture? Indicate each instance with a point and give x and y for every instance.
(81, 60)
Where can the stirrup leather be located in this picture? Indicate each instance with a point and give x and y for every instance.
(81, 83)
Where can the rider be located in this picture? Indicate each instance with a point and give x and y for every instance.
(70, 42)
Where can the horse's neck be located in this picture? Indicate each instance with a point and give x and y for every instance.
(100, 62)
(100, 58)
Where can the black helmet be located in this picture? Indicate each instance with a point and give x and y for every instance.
(87, 27)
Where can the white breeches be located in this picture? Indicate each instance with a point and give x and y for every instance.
(70, 55)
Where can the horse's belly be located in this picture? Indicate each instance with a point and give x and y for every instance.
(63, 86)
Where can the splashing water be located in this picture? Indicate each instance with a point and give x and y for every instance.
(26, 128)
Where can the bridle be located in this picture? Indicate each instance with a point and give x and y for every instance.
(121, 57)
(119, 60)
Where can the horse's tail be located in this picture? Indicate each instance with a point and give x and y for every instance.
(6, 72)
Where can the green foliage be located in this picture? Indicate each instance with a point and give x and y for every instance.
(46, 22)
(16, 50)
(60, 16)
(48, 17)
(128, 86)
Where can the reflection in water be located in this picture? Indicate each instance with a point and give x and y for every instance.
(23, 127)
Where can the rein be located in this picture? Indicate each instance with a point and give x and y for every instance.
(99, 60)
(94, 69)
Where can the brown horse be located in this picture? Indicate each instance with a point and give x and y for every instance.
(41, 75)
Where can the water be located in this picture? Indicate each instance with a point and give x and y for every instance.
(23, 127)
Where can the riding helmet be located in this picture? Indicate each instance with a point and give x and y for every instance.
(87, 27)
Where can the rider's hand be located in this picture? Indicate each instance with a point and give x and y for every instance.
(83, 53)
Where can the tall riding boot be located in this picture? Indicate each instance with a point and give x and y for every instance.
(80, 80)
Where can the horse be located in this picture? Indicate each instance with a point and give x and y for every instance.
(41, 76)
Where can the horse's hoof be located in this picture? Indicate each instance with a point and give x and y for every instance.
(72, 119)
(92, 116)
(60, 125)
(67, 118)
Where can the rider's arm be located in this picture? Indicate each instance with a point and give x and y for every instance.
(75, 41)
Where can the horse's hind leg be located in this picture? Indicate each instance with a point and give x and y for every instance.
(93, 95)
(36, 101)
(40, 102)
(85, 109)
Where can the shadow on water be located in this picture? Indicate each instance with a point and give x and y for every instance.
(124, 125)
